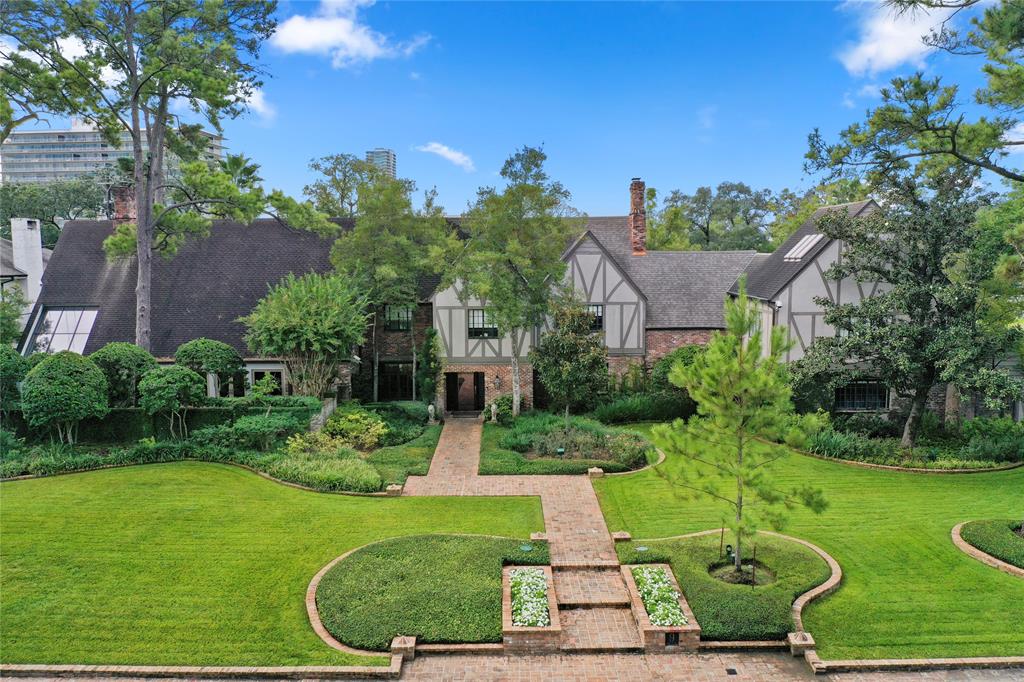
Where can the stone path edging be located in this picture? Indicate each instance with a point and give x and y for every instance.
(827, 587)
(661, 458)
(911, 664)
(327, 672)
(984, 557)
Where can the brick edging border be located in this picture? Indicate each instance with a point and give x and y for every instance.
(821, 667)
(327, 672)
(984, 557)
(830, 585)
(661, 458)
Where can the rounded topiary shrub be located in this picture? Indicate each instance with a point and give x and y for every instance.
(206, 356)
(62, 390)
(13, 369)
(123, 364)
(171, 391)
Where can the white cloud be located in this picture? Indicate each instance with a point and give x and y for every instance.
(888, 39)
(460, 159)
(335, 29)
(257, 102)
(1015, 134)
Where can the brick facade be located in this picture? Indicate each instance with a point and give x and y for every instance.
(398, 345)
(501, 372)
(661, 342)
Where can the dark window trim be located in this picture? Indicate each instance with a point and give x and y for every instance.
(397, 318)
(597, 312)
(479, 324)
(866, 401)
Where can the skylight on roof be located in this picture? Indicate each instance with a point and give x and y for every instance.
(802, 247)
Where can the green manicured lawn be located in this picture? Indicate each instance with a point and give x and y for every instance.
(996, 538)
(907, 591)
(398, 462)
(194, 563)
(439, 588)
(736, 612)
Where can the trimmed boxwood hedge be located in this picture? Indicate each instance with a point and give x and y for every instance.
(440, 588)
(996, 537)
(729, 611)
(131, 424)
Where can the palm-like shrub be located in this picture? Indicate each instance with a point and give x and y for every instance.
(123, 364)
(62, 390)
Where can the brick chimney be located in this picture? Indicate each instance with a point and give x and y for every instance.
(637, 217)
(123, 199)
(27, 255)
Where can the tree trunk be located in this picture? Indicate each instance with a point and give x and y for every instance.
(412, 337)
(952, 417)
(516, 390)
(567, 416)
(914, 418)
(737, 560)
(373, 340)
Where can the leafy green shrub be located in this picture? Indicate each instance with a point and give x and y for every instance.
(10, 445)
(342, 470)
(123, 364)
(869, 424)
(429, 369)
(998, 538)
(13, 368)
(992, 427)
(356, 426)
(172, 390)
(62, 390)
(317, 443)
(206, 356)
(255, 432)
(661, 406)
(504, 413)
(1007, 448)
(845, 445)
(544, 434)
(406, 420)
(687, 355)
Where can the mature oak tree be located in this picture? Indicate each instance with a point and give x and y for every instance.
(120, 65)
(513, 253)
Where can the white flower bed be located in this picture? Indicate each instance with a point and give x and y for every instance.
(659, 596)
(529, 588)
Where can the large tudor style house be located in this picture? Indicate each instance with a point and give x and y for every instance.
(644, 302)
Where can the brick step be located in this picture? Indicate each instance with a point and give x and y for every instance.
(583, 562)
(590, 588)
(599, 630)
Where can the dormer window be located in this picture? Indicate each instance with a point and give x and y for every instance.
(805, 244)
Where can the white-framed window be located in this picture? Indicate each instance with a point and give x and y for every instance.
(63, 329)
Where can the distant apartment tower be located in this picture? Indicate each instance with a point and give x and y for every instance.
(47, 155)
(383, 159)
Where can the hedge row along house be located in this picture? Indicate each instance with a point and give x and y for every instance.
(645, 303)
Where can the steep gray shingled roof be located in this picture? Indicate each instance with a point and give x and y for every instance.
(201, 292)
(684, 289)
(767, 276)
(7, 268)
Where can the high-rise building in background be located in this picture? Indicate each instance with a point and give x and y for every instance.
(47, 155)
(383, 159)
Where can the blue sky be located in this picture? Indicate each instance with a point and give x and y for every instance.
(680, 94)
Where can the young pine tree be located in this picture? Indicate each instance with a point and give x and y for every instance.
(726, 451)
